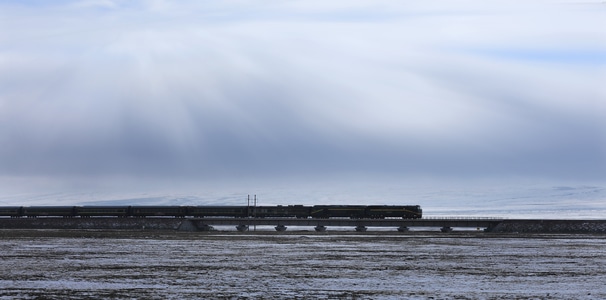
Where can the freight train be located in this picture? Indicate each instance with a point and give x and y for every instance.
(279, 211)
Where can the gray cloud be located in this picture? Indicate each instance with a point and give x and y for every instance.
(190, 89)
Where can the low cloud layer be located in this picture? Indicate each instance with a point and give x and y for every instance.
(231, 88)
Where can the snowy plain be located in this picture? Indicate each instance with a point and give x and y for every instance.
(301, 264)
(517, 200)
(147, 265)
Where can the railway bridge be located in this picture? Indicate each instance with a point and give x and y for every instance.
(402, 225)
(498, 225)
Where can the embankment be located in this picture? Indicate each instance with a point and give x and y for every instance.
(551, 226)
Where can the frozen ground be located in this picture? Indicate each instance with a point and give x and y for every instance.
(144, 265)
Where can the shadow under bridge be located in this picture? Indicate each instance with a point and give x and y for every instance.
(402, 225)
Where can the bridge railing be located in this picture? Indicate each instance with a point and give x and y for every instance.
(462, 218)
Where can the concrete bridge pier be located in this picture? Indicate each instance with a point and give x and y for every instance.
(242, 228)
(490, 227)
(187, 226)
(403, 229)
(205, 227)
(320, 228)
(361, 228)
(280, 228)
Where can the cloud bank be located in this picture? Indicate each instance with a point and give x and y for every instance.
(197, 89)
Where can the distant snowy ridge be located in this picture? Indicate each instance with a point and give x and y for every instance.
(573, 202)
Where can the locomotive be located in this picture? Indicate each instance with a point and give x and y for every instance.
(279, 211)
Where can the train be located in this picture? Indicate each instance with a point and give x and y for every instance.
(279, 211)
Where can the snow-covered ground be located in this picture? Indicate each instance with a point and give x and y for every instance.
(540, 200)
(299, 266)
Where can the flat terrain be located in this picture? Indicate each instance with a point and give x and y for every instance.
(61, 264)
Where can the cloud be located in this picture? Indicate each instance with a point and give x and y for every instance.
(87, 4)
(197, 89)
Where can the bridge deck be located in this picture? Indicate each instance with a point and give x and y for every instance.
(432, 222)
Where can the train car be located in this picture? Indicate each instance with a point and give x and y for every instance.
(338, 211)
(49, 211)
(290, 211)
(414, 212)
(218, 211)
(102, 211)
(393, 211)
(158, 211)
(11, 211)
(300, 211)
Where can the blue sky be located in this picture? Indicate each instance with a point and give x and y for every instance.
(157, 91)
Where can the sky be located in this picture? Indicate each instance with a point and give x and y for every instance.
(135, 94)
